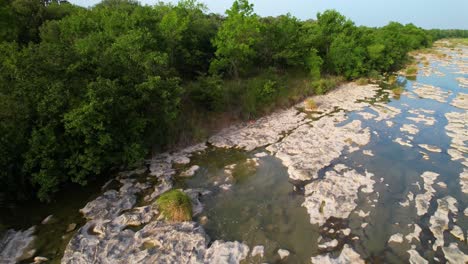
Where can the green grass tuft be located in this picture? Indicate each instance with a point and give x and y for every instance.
(175, 206)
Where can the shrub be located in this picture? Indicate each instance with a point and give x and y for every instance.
(412, 70)
(261, 92)
(175, 206)
(207, 92)
(324, 85)
(310, 104)
(362, 81)
(398, 91)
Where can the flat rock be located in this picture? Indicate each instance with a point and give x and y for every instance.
(258, 251)
(310, 148)
(423, 200)
(347, 255)
(415, 258)
(461, 101)
(457, 129)
(396, 238)
(283, 253)
(409, 128)
(335, 195)
(190, 171)
(49, 219)
(439, 222)
(430, 148)
(454, 255)
(431, 92)
(16, 245)
(262, 132)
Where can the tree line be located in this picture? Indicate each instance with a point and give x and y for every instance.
(86, 90)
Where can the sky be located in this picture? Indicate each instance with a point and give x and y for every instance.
(442, 14)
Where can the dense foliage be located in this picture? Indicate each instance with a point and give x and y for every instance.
(86, 90)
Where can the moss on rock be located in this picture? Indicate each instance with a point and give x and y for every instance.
(175, 206)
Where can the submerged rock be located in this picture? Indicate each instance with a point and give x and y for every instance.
(431, 92)
(385, 112)
(396, 238)
(440, 220)
(330, 244)
(414, 234)
(458, 233)
(190, 171)
(347, 255)
(16, 245)
(335, 195)
(403, 142)
(464, 180)
(430, 148)
(454, 255)
(71, 227)
(423, 200)
(463, 82)
(39, 259)
(415, 258)
(461, 101)
(457, 129)
(49, 219)
(410, 128)
(258, 251)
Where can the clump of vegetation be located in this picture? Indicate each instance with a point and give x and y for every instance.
(362, 81)
(397, 92)
(322, 205)
(392, 79)
(175, 206)
(322, 86)
(244, 169)
(411, 70)
(310, 104)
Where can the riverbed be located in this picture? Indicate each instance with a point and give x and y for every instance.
(369, 175)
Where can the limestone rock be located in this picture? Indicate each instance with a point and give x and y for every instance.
(396, 238)
(190, 172)
(347, 255)
(16, 245)
(283, 253)
(415, 258)
(258, 251)
(226, 252)
(440, 220)
(335, 195)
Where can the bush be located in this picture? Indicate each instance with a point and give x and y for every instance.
(397, 92)
(207, 92)
(310, 104)
(322, 86)
(362, 81)
(175, 206)
(412, 70)
(261, 93)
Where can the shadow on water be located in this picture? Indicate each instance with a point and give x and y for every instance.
(53, 237)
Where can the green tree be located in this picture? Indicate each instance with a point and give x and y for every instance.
(236, 39)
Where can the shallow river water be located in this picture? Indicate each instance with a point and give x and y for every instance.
(404, 165)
